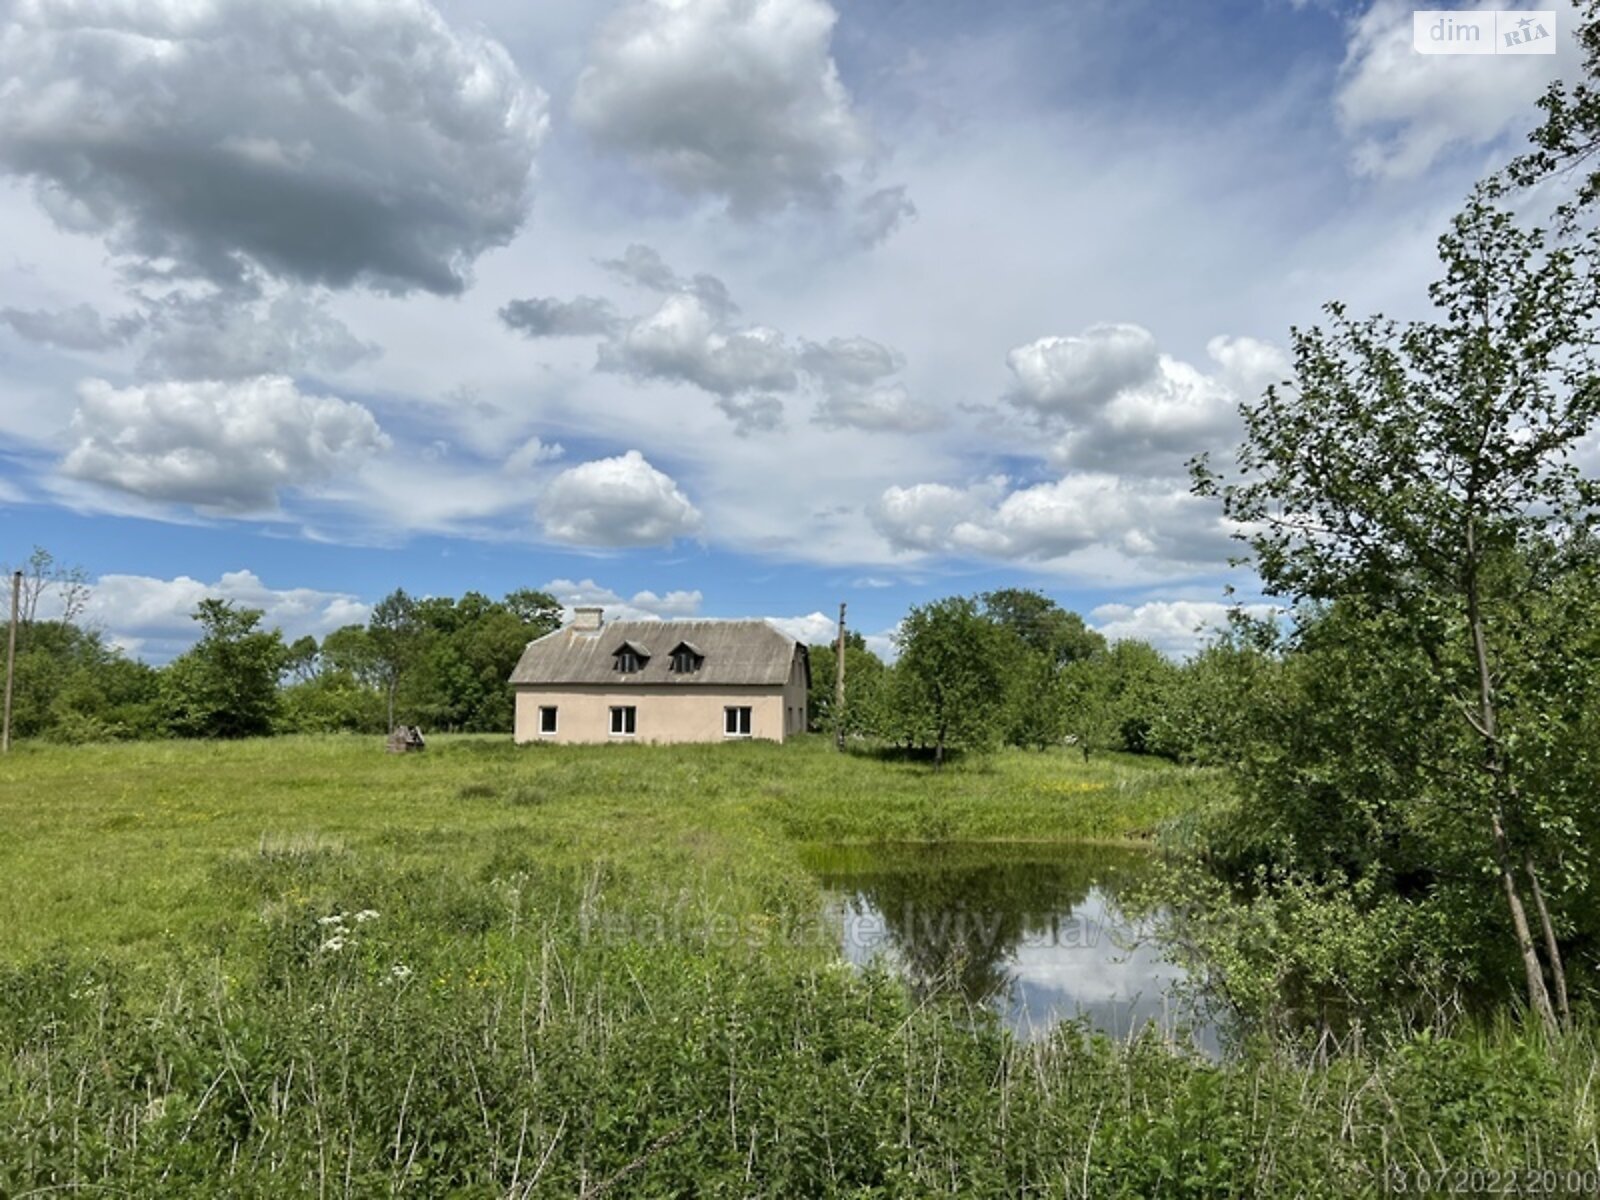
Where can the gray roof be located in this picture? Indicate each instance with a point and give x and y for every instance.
(738, 653)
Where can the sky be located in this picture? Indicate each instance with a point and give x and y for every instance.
(715, 308)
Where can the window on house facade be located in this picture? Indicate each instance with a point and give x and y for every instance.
(547, 718)
(628, 660)
(736, 722)
(624, 721)
(686, 660)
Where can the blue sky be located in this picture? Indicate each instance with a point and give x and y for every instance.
(691, 307)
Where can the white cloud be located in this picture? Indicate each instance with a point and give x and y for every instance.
(1403, 110)
(359, 142)
(738, 99)
(546, 317)
(225, 336)
(851, 360)
(1175, 627)
(643, 606)
(622, 501)
(813, 629)
(752, 414)
(531, 454)
(1127, 408)
(228, 447)
(685, 341)
(887, 409)
(80, 327)
(1051, 521)
(1075, 376)
(154, 617)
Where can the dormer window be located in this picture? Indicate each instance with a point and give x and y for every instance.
(630, 658)
(686, 659)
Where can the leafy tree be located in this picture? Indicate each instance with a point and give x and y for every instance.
(66, 587)
(1424, 470)
(1041, 697)
(953, 673)
(863, 673)
(350, 650)
(303, 657)
(71, 686)
(1043, 625)
(1090, 716)
(227, 685)
(397, 638)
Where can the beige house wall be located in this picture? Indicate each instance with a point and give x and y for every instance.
(665, 713)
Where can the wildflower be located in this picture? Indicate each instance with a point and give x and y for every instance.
(401, 973)
(336, 919)
(334, 944)
(365, 915)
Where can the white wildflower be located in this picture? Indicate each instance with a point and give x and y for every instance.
(401, 973)
(365, 915)
(336, 919)
(334, 944)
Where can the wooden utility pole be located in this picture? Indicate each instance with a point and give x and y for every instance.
(838, 686)
(11, 659)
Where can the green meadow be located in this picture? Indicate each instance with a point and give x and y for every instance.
(301, 966)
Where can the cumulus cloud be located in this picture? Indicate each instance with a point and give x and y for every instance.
(351, 143)
(78, 328)
(544, 317)
(752, 414)
(642, 606)
(686, 341)
(1175, 627)
(531, 454)
(1074, 376)
(851, 360)
(1402, 110)
(153, 617)
(813, 629)
(738, 99)
(228, 447)
(225, 336)
(642, 266)
(1121, 405)
(877, 410)
(1052, 520)
(879, 214)
(622, 501)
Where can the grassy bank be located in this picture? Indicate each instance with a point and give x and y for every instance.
(118, 844)
(303, 967)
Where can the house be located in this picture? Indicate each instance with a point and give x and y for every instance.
(660, 681)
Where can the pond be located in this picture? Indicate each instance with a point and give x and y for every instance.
(1033, 932)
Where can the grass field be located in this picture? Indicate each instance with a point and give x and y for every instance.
(120, 845)
(304, 967)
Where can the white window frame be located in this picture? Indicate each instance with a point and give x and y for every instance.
(624, 714)
(555, 720)
(733, 715)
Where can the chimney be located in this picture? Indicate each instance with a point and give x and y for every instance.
(586, 620)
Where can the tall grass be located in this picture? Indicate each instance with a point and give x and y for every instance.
(500, 973)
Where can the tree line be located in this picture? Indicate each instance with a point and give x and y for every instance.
(438, 662)
(1008, 667)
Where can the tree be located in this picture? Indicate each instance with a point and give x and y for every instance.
(952, 665)
(302, 659)
(1425, 470)
(227, 685)
(397, 640)
(1043, 625)
(43, 577)
(863, 672)
(538, 612)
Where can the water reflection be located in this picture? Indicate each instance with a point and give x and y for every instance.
(1034, 933)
